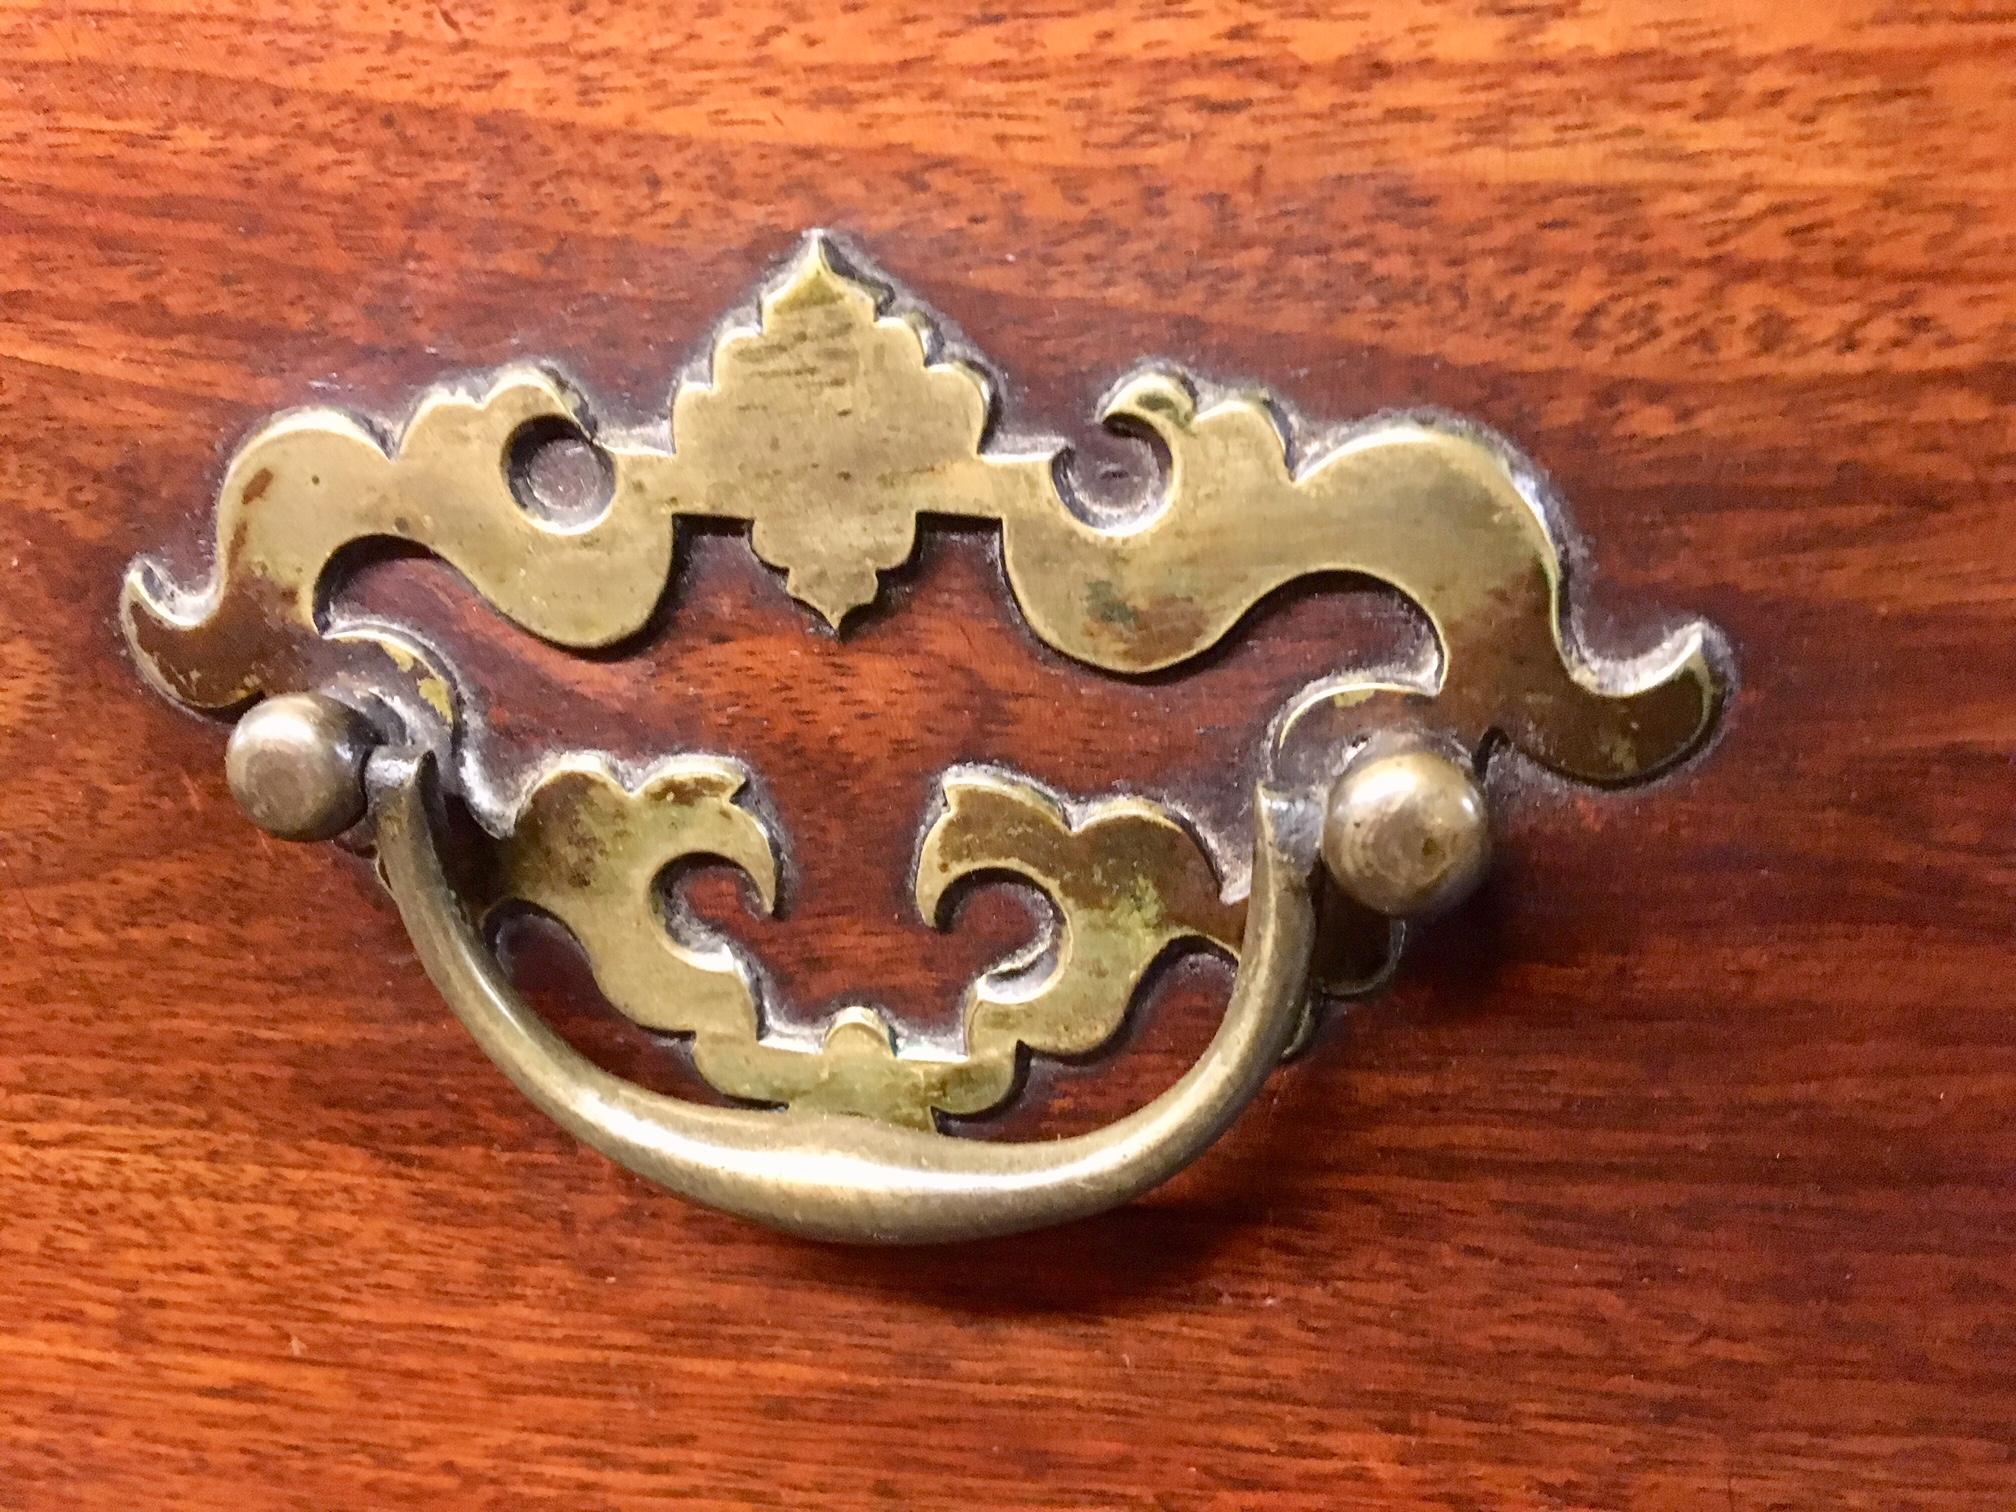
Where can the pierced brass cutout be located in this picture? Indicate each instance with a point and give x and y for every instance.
(830, 426)
(1128, 882)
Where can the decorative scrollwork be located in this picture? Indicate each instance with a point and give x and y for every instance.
(830, 426)
(1128, 882)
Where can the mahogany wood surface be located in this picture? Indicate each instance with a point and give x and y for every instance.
(1678, 1171)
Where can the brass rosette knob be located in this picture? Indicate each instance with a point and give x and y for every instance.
(828, 427)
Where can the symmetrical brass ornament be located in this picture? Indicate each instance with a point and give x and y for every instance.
(1127, 880)
(830, 427)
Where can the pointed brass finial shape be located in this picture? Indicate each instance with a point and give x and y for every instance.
(831, 424)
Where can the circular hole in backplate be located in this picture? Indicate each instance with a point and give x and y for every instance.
(557, 474)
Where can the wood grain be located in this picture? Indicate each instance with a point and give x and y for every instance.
(1676, 1173)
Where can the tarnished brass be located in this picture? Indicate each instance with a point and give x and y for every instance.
(830, 424)
(296, 765)
(1407, 833)
(1128, 882)
(830, 429)
(838, 1177)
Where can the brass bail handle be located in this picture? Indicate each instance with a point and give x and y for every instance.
(846, 1177)
(1403, 828)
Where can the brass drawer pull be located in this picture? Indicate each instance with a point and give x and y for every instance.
(849, 1177)
(829, 426)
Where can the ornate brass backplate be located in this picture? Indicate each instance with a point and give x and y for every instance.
(830, 426)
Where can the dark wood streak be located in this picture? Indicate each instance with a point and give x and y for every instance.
(1674, 1173)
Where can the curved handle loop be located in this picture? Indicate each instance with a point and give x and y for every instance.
(839, 1177)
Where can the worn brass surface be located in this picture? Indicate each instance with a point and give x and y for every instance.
(1407, 832)
(295, 764)
(1126, 879)
(830, 424)
(830, 428)
(839, 1177)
